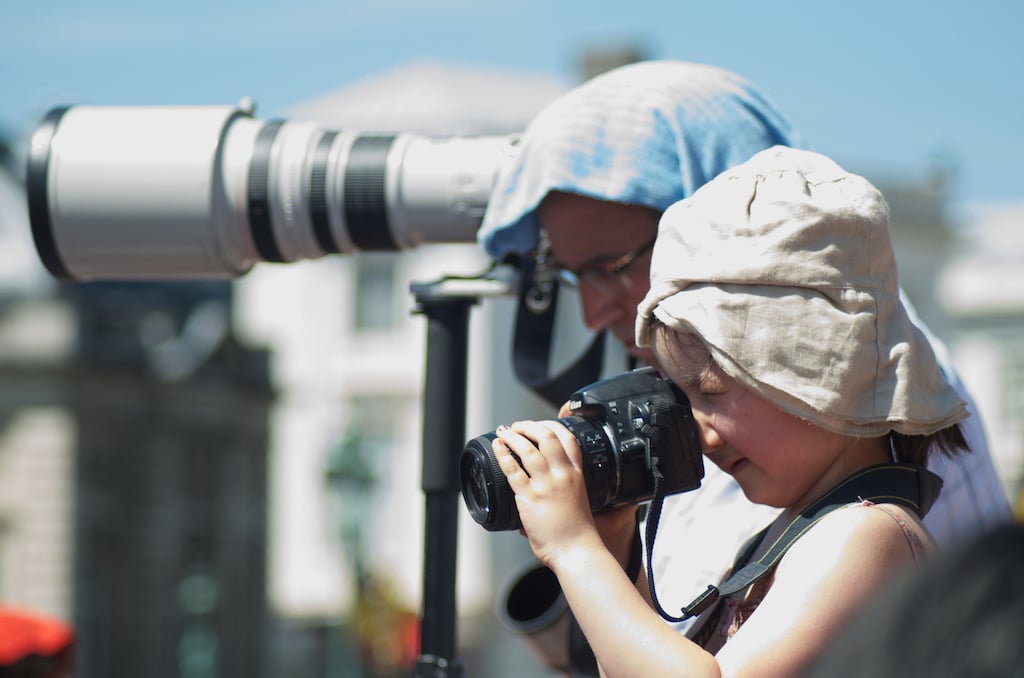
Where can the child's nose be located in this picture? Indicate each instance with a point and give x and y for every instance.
(710, 440)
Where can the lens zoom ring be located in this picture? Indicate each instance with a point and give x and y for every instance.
(365, 200)
(318, 195)
(259, 194)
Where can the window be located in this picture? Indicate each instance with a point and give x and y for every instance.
(376, 275)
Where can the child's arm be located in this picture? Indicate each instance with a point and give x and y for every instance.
(627, 636)
(827, 574)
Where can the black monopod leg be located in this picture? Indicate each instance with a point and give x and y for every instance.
(446, 305)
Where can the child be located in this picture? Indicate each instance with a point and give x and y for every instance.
(774, 305)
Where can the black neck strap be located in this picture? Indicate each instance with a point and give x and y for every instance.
(910, 486)
(534, 331)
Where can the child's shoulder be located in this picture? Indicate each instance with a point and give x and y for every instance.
(863, 534)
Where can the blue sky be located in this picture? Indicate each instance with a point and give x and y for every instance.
(881, 85)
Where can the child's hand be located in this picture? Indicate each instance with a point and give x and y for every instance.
(616, 526)
(550, 491)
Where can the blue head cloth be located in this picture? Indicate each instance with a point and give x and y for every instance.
(649, 133)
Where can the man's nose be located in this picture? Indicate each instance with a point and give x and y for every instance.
(600, 309)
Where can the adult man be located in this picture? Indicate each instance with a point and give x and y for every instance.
(595, 170)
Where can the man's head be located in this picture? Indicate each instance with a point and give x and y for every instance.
(598, 166)
(605, 247)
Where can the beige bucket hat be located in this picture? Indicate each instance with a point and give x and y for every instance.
(784, 266)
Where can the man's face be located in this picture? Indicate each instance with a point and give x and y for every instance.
(607, 245)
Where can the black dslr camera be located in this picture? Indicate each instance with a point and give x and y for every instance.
(633, 429)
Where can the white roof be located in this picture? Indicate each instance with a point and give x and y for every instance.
(435, 98)
(989, 277)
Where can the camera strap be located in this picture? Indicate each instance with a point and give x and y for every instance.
(534, 332)
(909, 486)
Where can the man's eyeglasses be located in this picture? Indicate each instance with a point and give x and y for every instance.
(608, 277)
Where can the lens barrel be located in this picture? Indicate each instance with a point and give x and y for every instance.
(194, 192)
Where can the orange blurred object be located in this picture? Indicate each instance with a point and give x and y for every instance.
(24, 633)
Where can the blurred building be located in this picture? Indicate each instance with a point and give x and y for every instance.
(983, 293)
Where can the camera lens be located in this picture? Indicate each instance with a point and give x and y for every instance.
(492, 503)
(484, 488)
(206, 192)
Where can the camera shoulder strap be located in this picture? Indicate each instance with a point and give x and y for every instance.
(910, 486)
(532, 340)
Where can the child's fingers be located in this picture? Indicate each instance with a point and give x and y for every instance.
(515, 474)
(567, 440)
(550, 439)
(520, 443)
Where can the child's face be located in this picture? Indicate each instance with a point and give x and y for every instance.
(777, 459)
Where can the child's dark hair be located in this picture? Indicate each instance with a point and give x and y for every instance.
(915, 449)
